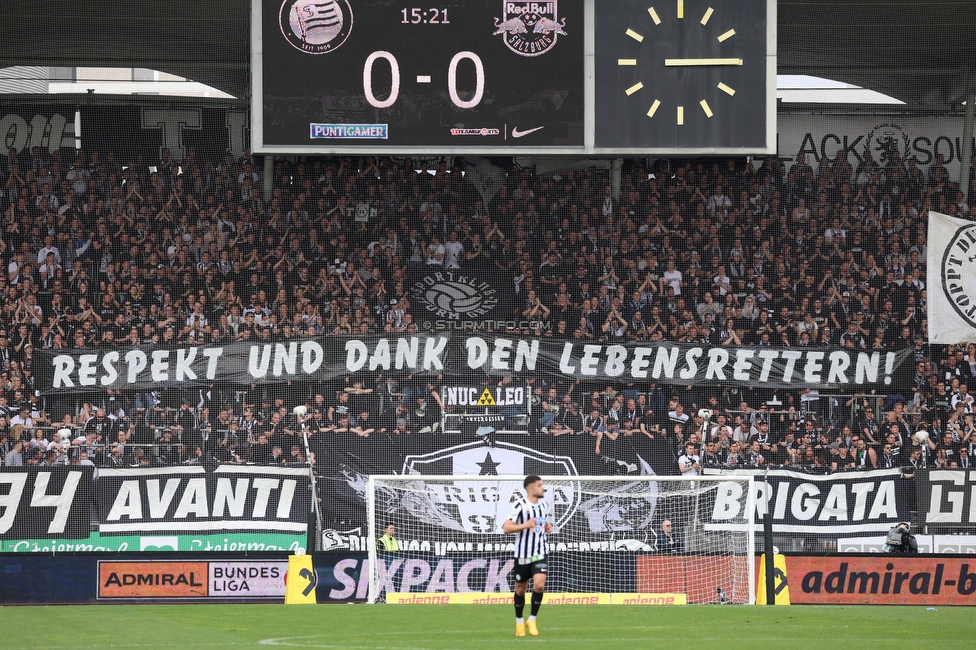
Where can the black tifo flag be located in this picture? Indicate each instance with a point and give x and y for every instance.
(448, 296)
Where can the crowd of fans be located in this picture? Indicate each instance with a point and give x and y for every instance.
(104, 252)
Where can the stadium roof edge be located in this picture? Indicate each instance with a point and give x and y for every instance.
(920, 53)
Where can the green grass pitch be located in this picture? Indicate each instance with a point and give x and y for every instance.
(406, 627)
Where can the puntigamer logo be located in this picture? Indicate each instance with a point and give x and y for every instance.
(455, 296)
(315, 26)
(318, 131)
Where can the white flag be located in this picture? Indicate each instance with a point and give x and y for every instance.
(951, 279)
(487, 178)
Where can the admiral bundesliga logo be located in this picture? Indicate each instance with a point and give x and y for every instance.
(530, 28)
(315, 26)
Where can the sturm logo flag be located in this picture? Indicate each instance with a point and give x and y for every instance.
(315, 26)
(952, 292)
(530, 28)
(958, 269)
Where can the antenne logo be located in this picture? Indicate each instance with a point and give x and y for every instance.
(315, 26)
(479, 507)
(454, 295)
(529, 28)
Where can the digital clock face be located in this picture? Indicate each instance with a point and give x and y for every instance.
(375, 75)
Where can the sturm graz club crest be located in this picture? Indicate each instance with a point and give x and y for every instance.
(475, 506)
(530, 28)
(454, 295)
(315, 26)
(958, 270)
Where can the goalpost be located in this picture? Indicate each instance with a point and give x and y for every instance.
(608, 543)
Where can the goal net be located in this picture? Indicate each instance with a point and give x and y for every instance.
(626, 540)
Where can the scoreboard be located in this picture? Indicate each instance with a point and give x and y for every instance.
(513, 76)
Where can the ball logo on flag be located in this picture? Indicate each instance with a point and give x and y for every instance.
(450, 296)
(454, 295)
(315, 26)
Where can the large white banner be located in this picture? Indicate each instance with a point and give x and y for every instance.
(951, 279)
(822, 136)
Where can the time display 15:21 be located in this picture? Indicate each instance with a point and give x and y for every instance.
(477, 74)
(432, 16)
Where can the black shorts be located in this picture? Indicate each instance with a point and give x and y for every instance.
(525, 571)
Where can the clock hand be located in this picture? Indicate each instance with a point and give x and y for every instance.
(700, 62)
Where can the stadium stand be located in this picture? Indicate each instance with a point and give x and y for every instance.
(101, 252)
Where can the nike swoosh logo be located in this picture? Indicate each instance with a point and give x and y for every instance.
(519, 134)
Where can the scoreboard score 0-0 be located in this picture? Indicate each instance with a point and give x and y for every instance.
(512, 76)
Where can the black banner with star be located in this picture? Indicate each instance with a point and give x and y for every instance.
(344, 465)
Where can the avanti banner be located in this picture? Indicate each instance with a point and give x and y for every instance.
(181, 500)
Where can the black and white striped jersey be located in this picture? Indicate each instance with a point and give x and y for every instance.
(530, 542)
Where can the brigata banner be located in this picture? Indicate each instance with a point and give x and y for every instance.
(848, 502)
(947, 498)
(457, 355)
(233, 498)
(50, 503)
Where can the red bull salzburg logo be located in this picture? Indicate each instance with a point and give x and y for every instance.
(530, 28)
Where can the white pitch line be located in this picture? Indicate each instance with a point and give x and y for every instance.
(116, 645)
